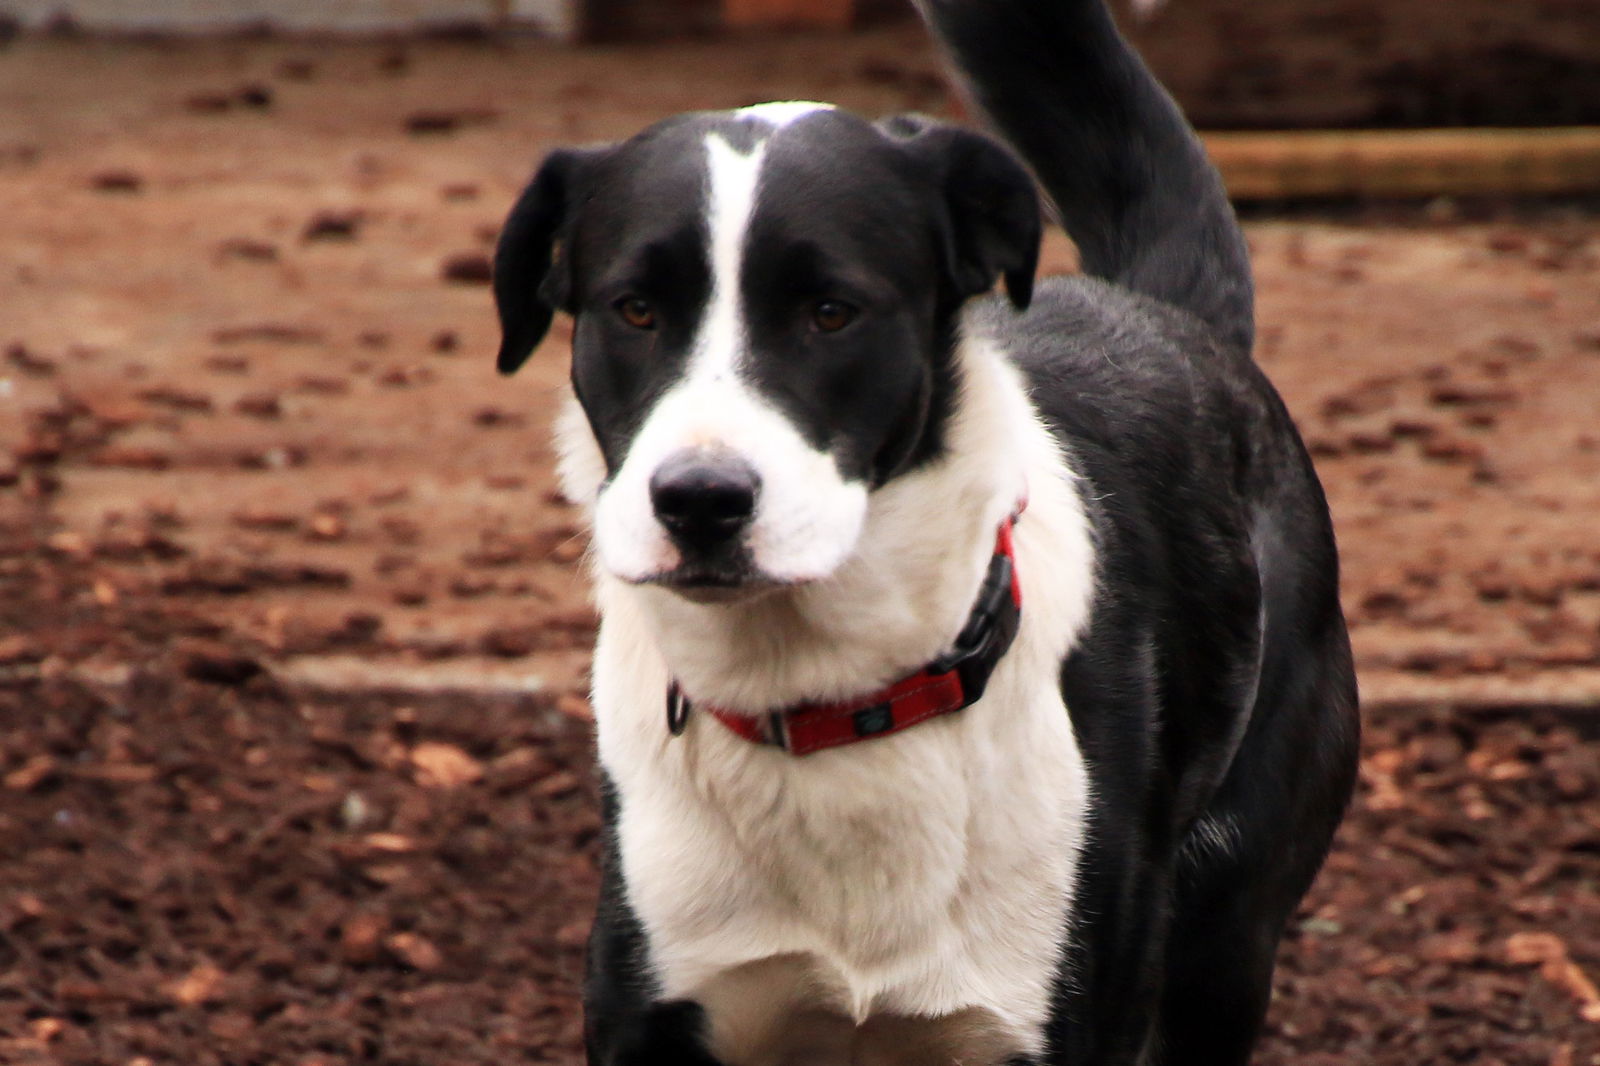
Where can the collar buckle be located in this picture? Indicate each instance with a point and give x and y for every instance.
(677, 710)
(988, 634)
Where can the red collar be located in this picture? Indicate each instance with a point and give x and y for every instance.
(950, 683)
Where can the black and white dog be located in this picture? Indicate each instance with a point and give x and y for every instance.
(887, 783)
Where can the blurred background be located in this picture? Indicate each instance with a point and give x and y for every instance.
(1231, 63)
(294, 743)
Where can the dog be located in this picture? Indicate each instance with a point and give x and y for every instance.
(971, 683)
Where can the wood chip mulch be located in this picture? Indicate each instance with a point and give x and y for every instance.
(198, 866)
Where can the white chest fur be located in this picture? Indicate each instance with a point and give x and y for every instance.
(929, 872)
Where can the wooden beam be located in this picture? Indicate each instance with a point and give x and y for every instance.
(1332, 164)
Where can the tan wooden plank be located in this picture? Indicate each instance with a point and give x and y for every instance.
(1407, 163)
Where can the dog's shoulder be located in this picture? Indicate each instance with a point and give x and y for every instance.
(1103, 362)
(1190, 474)
(1156, 418)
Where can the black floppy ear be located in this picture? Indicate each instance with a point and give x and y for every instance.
(991, 205)
(527, 288)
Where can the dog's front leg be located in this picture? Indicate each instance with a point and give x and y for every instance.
(665, 1034)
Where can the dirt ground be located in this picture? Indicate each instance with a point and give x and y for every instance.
(295, 762)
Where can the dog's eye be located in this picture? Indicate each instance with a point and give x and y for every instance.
(636, 312)
(830, 316)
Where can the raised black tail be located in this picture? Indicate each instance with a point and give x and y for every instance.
(1127, 174)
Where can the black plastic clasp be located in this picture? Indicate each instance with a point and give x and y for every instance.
(677, 710)
(777, 732)
(987, 636)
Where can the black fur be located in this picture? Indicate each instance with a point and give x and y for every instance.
(1213, 693)
(1129, 180)
(527, 289)
(624, 1022)
(1215, 681)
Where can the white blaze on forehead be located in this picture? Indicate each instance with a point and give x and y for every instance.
(732, 176)
(782, 112)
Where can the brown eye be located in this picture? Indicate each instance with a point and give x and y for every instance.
(830, 316)
(636, 312)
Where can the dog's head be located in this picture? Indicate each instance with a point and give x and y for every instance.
(764, 311)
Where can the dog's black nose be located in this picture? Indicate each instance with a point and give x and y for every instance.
(704, 499)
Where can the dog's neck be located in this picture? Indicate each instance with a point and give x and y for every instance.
(894, 606)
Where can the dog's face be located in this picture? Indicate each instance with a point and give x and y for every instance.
(764, 305)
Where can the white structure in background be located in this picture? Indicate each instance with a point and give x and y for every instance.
(1145, 8)
(555, 17)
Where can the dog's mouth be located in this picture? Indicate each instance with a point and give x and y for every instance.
(710, 583)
